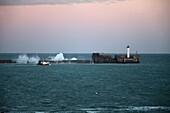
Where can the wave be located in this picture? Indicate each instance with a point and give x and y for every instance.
(145, 108)
(60, 57)
(127, 109)
(73, 58)
(105, 109)
(24, 59)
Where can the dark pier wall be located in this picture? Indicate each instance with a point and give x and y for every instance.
(97, 58)
(7, 61)
(123, 59)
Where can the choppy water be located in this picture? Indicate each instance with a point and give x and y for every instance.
(86, 88)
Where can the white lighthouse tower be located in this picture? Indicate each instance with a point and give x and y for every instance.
(128, 51)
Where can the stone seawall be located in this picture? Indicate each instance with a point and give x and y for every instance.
(96, 58)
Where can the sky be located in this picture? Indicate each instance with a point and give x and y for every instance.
(84, 26)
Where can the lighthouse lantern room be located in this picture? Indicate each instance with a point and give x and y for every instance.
(128, 51)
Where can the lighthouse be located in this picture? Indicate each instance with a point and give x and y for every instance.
(128, 51)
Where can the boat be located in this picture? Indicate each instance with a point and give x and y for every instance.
(43, 63)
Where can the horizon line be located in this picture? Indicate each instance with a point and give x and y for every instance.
(83, 52)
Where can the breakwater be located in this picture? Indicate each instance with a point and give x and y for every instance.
(7, 61)
(95, 58)
(98, 58)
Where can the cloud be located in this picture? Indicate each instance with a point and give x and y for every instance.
(50, 2)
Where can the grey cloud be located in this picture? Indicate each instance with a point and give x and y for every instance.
(51, 2)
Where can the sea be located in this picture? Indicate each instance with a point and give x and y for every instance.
(84, 88)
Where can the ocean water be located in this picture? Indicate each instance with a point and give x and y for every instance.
(86, 88)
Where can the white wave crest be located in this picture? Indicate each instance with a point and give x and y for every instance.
(34, 59)
(147, 108)
(60, 57)
(73, 58)
(24, 59)
(128, 109)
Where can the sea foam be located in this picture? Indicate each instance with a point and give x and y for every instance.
(128, 109)
(24, 59)
(60, 57)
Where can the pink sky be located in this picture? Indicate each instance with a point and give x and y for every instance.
(86, 27)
